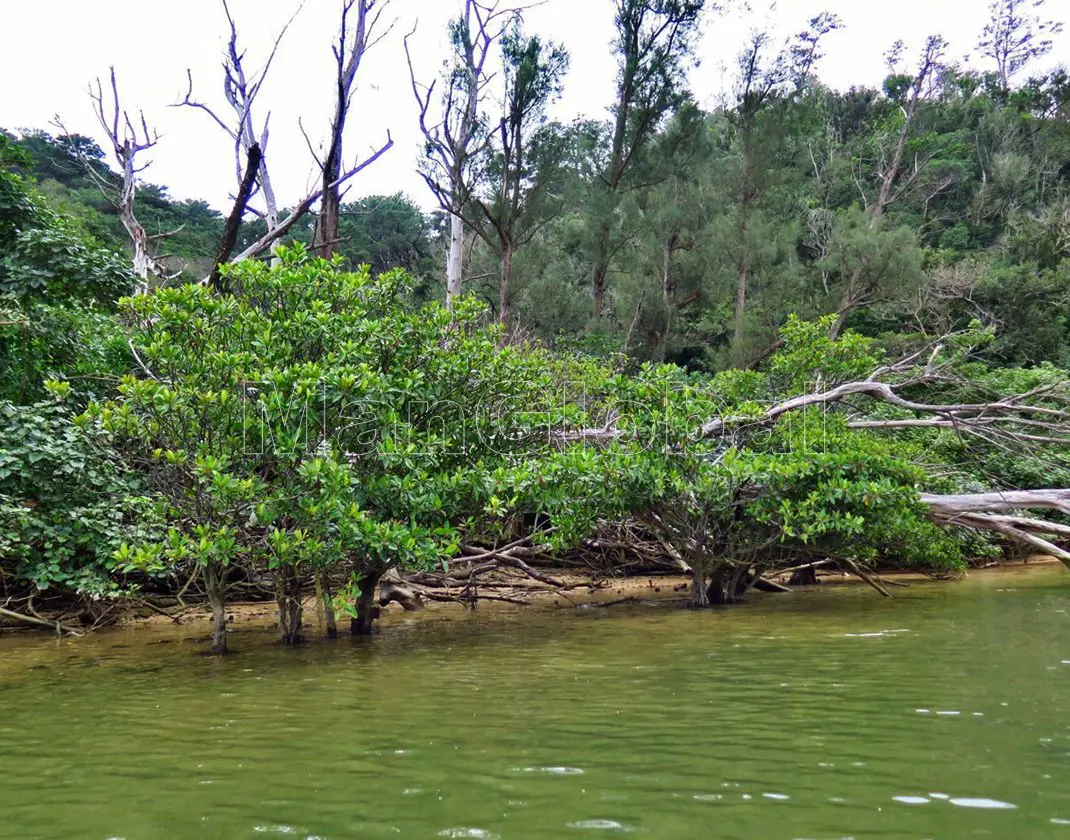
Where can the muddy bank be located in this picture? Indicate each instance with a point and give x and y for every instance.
(579, 592)
(582, 594)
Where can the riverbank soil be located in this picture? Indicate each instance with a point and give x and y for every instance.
(579, 592)
(582, 593)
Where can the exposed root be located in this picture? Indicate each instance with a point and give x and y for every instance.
(159, 610)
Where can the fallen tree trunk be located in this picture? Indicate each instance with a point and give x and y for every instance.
(981, 511)
(55, 626)
(764, 585)
(1000, 501)
(392, 588)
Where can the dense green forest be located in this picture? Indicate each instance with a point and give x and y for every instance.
(810, 325)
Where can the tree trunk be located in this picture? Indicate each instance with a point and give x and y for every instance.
(233, 223)
(327, 227)
(740, 315)
(455, 261)
(141, 261)
(328, 608)
(700, 598)
(602, 257)
(367, 609)
(635, 321)
(841, 315)
(739, 585)
(599, 289)
(348, 54)
(804, 577)
(504, 286)
(215, 587)
(666, 298)
(139, 239)
(748, 199)
(618, 165)
(288, 596)
(717, 593)
(270, 202)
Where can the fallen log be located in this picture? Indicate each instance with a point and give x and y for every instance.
(1004, 526)
(55, 626)
(1000, 501)
(392, 588)
(980, 511)
(598, 605)
(962, 414)
(765, 585)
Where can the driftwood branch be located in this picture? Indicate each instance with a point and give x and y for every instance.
(962, 413)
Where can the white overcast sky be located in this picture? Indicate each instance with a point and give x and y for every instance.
(51, 49)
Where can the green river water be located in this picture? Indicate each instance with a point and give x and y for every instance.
(944, 713)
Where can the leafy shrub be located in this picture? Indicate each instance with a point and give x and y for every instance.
(66, 505)
(312, 422)
(77, 342)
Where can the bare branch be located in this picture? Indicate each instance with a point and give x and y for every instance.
(349, 51)
(961, 414)
(283, 227)
(240, 94)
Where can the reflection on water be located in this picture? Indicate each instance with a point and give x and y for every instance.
(944, 713)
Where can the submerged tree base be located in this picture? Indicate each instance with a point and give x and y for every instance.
(804, 577)
(288, 596)
(363, 624)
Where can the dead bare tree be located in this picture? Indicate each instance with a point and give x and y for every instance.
(893, 184)
(241, 91)
(455, 136)
(359, 30)
(128, 138)
(523, 155)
